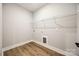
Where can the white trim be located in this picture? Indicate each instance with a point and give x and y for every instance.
(55, 49)
(0, 52)
(43, 44)
(15, 45)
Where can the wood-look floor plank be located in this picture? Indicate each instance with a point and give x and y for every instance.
(37, 49)
(25, 51)
(51, 52)
(31, 49)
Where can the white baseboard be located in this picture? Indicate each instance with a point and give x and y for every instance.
(15, 45)
(71, 50)
(55, 49)
(40, 43)
(0, 52)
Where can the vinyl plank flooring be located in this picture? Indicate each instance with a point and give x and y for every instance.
(40, 51)
(51, 52)
(31, 49)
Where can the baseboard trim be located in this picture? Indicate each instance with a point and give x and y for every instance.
(0, 52)
(40, 43)
(55, 49)
(14, 46)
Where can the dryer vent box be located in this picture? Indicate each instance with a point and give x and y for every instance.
(44, 40)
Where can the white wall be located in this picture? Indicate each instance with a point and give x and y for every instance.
(58, 23)
(77, 48)
(0, 27)
(17, 25)
(78, 22)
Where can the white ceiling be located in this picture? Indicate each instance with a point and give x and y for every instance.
(32, 6)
